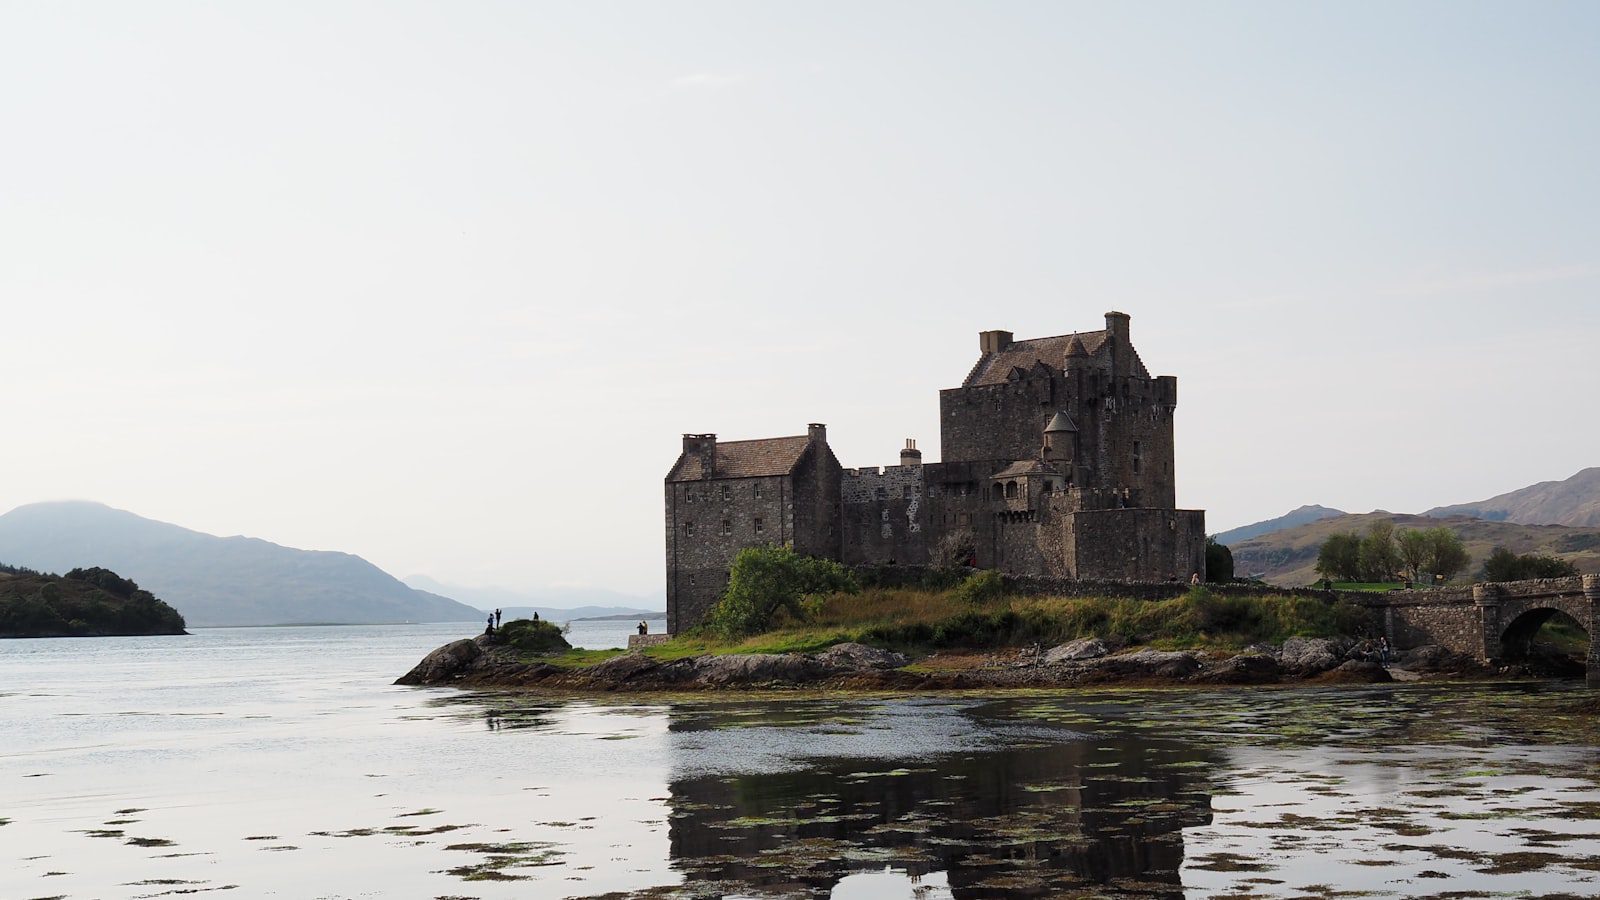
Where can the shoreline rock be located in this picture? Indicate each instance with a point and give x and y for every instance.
(482, 662)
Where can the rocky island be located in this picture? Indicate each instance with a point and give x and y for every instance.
(90, 602)
(818, 628)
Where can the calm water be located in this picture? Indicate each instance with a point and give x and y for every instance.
(280, 763)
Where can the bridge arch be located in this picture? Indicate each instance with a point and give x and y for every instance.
(1517, 637)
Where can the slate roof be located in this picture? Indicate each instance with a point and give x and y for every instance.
(1060, 422)
(1026, 467)
(746, 459)
(1052, 351)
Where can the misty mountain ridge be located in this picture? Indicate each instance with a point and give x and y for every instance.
(1574, 501)
(559, 603)
(215, 580)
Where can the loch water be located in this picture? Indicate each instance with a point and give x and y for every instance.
(281, 762)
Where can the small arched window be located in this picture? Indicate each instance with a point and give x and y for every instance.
(1011, 489)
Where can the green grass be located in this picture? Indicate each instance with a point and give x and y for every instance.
(1375, 586)
(919, 621)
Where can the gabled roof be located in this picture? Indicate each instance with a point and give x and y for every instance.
(746, 459)
(994, 368)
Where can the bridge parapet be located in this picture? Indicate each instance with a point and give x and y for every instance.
(1591, 593)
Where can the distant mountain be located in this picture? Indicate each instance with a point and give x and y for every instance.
(1288, 520)
(1575, 501)
(217, 580)
(563, 604)
(579, 613)
(1289, 557)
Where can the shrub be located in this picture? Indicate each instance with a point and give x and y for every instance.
(980, 588)
(764, 580)
(1219, 562)
(1503, 565)
(531, 636)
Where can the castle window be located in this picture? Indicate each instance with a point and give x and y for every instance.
(758, 490)
(1011, 489)
(691, 581)
(881, 493)
(1136, 457)
(759, 526)
(688, 495)
(727, 493)
(688, 529)
(905, 492)
(727, 526)
(999, 491)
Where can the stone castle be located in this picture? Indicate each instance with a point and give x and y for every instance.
(1058, 461)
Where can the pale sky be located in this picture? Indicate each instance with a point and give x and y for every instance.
(442, 284)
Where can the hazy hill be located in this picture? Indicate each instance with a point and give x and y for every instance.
(1289, 557)
(1575, 501)
(1288, 520)
(562, 604)
(217, 580)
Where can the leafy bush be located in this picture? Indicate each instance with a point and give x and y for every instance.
(533, 636)
(1219, 562)
(980, 588)
(1503, 565)
(764, 580)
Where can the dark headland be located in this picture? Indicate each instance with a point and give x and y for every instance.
(82, 603)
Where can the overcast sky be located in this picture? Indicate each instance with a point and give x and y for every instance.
(442, 284)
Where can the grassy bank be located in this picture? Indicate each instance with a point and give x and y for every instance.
(921, 621)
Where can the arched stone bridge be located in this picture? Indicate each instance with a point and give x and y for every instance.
(1493, 621)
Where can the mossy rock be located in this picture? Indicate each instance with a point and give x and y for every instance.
(533, 636)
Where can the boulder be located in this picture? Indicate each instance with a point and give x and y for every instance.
(1075, 651)
(620, 669)
(1434, 658)
(1150, 664)
(1357, 671)
(756, 668)
(1309, 656)
(445, 664)
(1246, 668)
(854, 657)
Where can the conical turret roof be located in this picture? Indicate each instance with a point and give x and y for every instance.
(1060, 422)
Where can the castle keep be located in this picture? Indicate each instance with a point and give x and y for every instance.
(1058, 460)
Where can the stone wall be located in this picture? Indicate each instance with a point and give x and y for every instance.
(886, 515)
(707, 524)
(817, 481)
(1138, 544)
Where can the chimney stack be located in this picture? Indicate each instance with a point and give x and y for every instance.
(817, 432)
(993, 341)
(702, 447)
(910, 455)
(1117, 326)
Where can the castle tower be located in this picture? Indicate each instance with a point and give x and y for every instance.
(1061, 444)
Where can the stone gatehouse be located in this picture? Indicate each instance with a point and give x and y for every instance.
(1058, 461)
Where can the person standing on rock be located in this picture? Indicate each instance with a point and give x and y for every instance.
(497, 618)
(1383, 652)
(490, 629)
